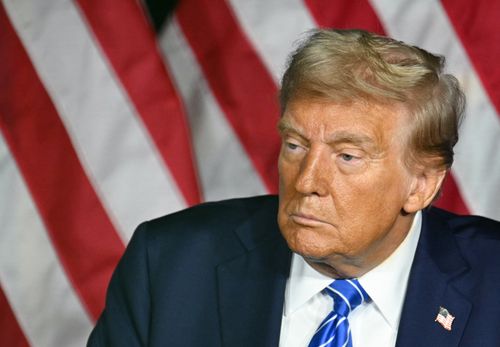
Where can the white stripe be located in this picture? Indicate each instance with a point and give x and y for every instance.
(341, 320)
(110, 139)
(224, 168)
(325, 323)
(327, 342)
(273, 26)
(348, 337)
(476, 165)
(34, 282)
(359, 291)
(342, 296)
(334, 332)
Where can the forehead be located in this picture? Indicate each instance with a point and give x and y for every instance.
(330, 121)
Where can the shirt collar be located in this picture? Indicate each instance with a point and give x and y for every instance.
(385, 284)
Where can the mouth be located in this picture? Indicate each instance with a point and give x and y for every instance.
(308, 220)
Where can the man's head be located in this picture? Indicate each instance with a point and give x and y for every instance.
(368, 127)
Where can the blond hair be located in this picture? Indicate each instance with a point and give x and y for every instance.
(347, 65)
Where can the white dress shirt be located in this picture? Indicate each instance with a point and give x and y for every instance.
(372, 324)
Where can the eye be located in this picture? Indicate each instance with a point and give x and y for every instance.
(350, 159)
(292, 148)
(347, 157)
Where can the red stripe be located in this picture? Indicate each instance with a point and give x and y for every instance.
(130, 45)
(10, 331)
(241, 84)
(478, 26)
(81, 232)
(345, 14)
(451, 198)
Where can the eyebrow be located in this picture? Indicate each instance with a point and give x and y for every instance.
(338, 137)
(348, 137)
(286, 126)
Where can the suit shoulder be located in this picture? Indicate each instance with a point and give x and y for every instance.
(469, 226)
(212, 214)
(211, 222)
(477, 238)
(209, 231)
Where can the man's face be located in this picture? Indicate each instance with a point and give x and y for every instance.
(343, 184)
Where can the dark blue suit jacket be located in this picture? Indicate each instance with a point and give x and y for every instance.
(215, 275)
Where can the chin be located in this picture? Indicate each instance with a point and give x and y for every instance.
(334, 266)
(306, 243)
(324, 268)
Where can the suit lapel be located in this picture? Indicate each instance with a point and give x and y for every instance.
(437, 266)
(252, 285)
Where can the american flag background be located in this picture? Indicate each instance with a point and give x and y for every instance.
(113, 112)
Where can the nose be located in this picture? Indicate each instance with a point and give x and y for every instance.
(314, 174)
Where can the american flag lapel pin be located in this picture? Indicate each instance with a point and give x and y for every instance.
(444, 318)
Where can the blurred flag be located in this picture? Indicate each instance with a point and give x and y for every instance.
(104, 124)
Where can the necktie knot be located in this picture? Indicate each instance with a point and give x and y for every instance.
(347, 295)
(334, 331)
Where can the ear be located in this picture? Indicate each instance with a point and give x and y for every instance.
(424, 188)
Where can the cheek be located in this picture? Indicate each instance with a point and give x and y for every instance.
(285, 191)
(387, 185)
(281, 172)
(287, 173)
(373, 211)
(375, 200)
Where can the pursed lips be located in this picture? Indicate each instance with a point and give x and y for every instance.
(307, 219)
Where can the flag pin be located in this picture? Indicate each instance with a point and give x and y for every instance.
(444, 318)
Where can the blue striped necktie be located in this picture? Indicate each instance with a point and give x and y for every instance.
(334, 331)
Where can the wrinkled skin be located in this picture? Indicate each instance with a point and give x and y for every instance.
(347, 200)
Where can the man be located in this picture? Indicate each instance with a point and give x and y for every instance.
(368, 127)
